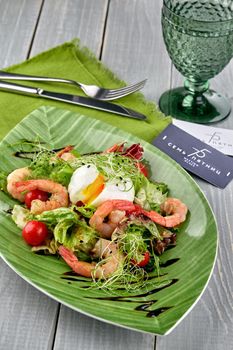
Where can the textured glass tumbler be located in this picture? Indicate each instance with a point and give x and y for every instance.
(199, 39)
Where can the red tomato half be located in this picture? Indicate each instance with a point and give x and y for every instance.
(35, 232)
(35, 194)
(144, 261)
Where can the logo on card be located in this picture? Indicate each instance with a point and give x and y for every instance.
(198, 158)
(195, 158)
(215, 139)
(199, 153)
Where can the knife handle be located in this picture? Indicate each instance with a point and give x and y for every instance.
(19, 88)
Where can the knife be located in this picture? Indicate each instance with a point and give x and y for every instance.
(74, 99)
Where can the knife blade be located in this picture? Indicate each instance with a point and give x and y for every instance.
(73, 99)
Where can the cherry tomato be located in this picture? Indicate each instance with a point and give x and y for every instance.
(35, 232)
(144, 261)
(35, 194)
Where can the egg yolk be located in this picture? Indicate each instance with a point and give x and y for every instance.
(93, 190)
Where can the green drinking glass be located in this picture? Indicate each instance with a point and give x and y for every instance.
(199, 39)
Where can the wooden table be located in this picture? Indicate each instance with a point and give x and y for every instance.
(126, 36)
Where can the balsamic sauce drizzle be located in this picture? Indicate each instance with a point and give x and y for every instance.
(143, 306)
(169, 262)
(29, 155)
(24, 154)
(157, 312)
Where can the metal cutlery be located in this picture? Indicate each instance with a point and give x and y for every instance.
(74, 99)
(90, 90)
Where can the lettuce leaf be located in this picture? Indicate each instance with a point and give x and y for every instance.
(50, 246)
(69, 228)
(151, 195)
(79, 237)
(87, 211)
(20, 215)
(48, 166)
(53, 217)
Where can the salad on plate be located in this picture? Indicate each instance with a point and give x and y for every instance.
(100, 212)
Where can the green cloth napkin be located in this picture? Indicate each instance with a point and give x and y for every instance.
(73, 62)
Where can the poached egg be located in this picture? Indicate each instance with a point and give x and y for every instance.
(87, 185)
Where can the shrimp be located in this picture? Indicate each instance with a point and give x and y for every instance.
(67, 149)
(15, 176)
(117, 147)
(175, 209)
(115, 210)
(65, 154)
(104, 249)
(58, 199)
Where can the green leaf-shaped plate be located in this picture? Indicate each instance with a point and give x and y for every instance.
(186, 269)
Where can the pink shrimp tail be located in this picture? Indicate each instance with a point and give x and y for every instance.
(122, 204)
(67, 149)
(152, 215)
(115, 204)
(118, 147)
(178, 213)
(80, 267)
(155, 217)
(67, 255)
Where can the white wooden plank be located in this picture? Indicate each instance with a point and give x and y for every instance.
(17, 22)
(209, 325)
(133, 46)
(27, 317)
(87, 22)
(79, 332)
(64, 20)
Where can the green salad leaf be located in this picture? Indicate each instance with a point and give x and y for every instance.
(47, 166)
(80, 237)
(50, 246)
(87, 210)
(151, 195)
(69, 228)
(20, 215)
(53, 217)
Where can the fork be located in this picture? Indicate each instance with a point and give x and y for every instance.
(90, 90)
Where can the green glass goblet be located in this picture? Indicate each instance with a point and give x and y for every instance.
(198, 35)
